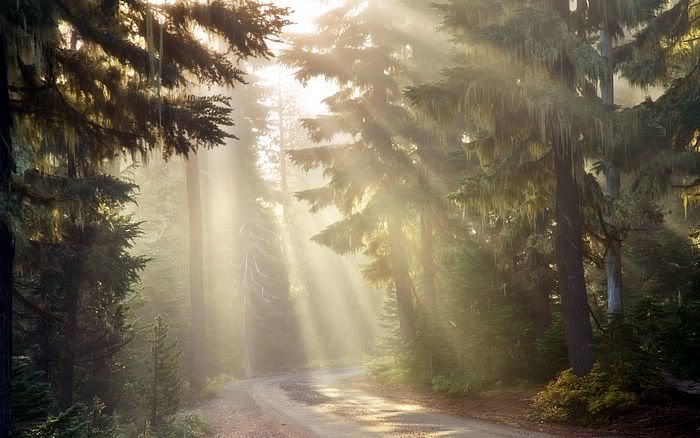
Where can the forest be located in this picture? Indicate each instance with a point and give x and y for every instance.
(302, 218)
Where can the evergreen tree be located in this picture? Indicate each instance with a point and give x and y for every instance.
(122, 73)
(72, 305)
(366, 50)
(33, 403)
(544, 94)
(664, 53)
(610, 21)
(31, 398)
(166, 381)
(267, 318)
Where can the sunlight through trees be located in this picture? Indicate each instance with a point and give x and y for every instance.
(459, 195)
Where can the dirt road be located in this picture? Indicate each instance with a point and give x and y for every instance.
(316, 404)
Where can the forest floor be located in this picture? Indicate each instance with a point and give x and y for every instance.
(513, 407)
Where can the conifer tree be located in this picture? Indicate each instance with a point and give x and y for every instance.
(611, 20)
(72, 305)
(122, 73)
(522, 87)
(366, 49)
(166, 381)
(664, 53)
(267, 318)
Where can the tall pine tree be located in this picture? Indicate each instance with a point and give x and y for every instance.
(523, 87)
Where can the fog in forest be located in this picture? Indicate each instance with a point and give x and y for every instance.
(321, 218)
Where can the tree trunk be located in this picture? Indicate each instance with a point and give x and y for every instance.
(569, 236)
(569, 250)
(7, 247)
(402, 280)
(197, 315)
(613, 253)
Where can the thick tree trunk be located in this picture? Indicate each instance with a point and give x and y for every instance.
(613, 253)
(569, 236)
(7, 248)
(197, 312)
(402, 280)
(569, 250)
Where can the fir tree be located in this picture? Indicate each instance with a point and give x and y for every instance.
(122, 73)
(72, 305)
(166, 381)
(551, 118)
(372, 176)
(267, 318)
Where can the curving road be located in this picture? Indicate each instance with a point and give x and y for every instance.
(316, 404)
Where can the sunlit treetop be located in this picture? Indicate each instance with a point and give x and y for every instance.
(116, 74)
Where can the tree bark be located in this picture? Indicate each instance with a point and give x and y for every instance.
(197, 311)
(569, 236)
(402, 280)
(613, 253)
(569, 250)
(7, 247)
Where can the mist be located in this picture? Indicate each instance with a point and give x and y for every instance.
(236, 218)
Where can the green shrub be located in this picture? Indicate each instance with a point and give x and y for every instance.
(215, 385)
(455, 385)
(185, 424)
(597, 397)
(388, 371)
